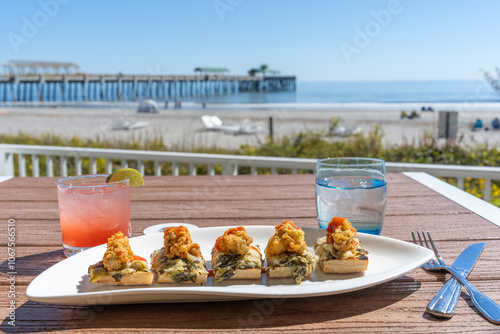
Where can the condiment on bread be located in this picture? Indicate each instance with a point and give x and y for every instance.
(119, 265)
(180, 260)
(234, 256)
(339, 251)
(287, 254)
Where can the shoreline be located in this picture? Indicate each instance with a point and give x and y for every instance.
(464, 106)
(182, 127)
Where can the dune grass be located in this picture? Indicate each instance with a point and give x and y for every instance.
(309, 144)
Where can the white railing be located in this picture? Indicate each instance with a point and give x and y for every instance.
(229, 163)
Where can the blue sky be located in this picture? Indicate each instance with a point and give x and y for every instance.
(315, 40)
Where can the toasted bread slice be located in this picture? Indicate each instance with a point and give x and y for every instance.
(296, 266)
(285, 272)
(137, 278)
(350, 265)
(191, 269)
(248, 266)
(168, 278)
(251, 273)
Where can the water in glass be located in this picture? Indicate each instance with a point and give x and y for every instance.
(360, 199)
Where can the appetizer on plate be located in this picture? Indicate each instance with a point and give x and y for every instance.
(287, 254)
(180, 260)
(234, 256)
(339, 251)
(119, 265)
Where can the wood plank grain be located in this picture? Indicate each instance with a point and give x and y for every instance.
(236, 206)
(152, 193)
(187, 181)
(399, 181)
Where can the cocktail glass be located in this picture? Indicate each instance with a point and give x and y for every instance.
(353, 188)
(91, 210)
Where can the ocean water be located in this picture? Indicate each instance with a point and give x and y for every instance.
(455, 95)
(372, 92)
(452, 95)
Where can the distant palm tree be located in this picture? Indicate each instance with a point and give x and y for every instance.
(264, 68)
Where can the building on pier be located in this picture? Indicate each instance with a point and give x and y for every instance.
(26, 67)
(211, 70)
(263, 70)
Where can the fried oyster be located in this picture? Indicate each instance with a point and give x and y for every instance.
(178, 243)
(288, 238)
(118, 252)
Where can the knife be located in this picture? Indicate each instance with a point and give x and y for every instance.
(444, 303)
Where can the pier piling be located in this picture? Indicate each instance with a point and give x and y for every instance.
(105, 87)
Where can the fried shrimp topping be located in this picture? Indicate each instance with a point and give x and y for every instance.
(342, 235)
(288, 238)
(234, 241)
(178, 243)
(118, 252)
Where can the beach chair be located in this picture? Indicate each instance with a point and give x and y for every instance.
(216, 121)
(495, 124)
(347, 130)
(129, 125)
(207, 122)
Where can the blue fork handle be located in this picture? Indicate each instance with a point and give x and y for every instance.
(444, 303)
(488, 307)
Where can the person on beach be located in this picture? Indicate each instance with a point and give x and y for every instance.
(495, 124)
(478, 124)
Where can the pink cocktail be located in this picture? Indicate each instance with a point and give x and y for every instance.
(91, 211)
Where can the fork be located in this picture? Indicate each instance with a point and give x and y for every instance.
(489, 308)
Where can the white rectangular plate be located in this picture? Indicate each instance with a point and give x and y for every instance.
(67, 282)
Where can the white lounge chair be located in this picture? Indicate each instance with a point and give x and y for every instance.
(214, 123)
(207, 122)
(129, 125)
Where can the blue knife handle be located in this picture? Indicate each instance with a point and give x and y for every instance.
(444, 303)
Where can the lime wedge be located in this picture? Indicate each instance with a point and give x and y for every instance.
(134, 176)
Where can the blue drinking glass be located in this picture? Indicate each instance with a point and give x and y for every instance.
(353, 188)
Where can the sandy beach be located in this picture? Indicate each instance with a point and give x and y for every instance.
(184, 128)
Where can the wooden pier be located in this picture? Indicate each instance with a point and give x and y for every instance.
(93, 87)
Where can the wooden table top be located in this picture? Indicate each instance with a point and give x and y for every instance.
(397, 306)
